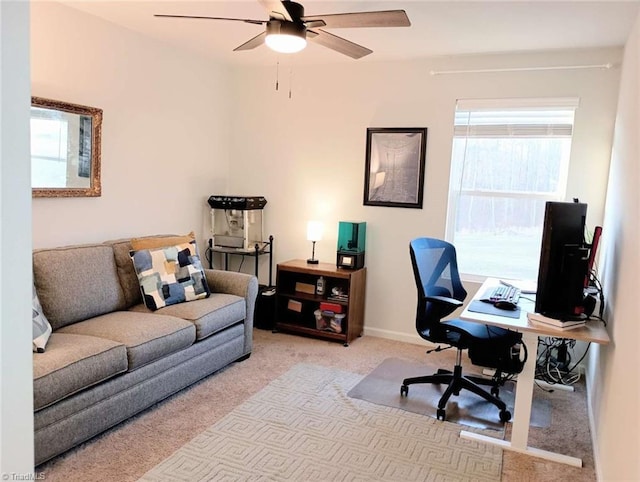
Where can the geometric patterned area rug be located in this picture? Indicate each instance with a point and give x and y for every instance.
(304, 427)
(382, 386)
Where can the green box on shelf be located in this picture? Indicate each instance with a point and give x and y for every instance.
(352, 236)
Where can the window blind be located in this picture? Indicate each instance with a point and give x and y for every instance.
(538, 123)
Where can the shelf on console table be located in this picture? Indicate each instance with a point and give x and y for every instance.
(264, 247)
(351, 282)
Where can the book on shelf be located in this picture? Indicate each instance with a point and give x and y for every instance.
(561, 325)
(344, 299)
(305, 288)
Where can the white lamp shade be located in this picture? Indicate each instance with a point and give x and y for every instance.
(314, 230)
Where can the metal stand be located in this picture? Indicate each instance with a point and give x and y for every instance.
(257, 251)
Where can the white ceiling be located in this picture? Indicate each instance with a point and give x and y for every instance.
(437, 28)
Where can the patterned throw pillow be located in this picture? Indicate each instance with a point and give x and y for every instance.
(40, 324)
(170, 275)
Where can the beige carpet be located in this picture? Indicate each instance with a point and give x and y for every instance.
(304, 427)
(382, 386)
(127, 452)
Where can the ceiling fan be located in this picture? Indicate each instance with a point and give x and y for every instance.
(288, 28)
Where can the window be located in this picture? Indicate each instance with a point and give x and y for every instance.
(509, 157)
(49, 146)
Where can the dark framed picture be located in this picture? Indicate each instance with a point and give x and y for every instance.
(394, 170)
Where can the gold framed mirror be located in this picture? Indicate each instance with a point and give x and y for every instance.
(65, 149)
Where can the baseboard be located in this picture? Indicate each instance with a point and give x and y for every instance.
(397, 336)
(592, 429)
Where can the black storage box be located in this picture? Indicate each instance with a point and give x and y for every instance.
(265, 311)
(509, 359)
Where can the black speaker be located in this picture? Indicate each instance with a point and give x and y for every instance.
(589, 304)
(265, 311)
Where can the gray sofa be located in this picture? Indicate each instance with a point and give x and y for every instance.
(109, 357)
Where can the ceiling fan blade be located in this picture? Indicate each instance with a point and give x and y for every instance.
(276, 7)
(338, 44)
(386, 18)
(315, 24)
(256, 41)
(245, 20)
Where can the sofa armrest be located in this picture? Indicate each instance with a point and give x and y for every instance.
(239, 284)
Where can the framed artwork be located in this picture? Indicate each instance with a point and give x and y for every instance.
(394, 170)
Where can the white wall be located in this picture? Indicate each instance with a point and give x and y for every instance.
(16, 389)
(165, 130)
(306, 154)
(614, 381)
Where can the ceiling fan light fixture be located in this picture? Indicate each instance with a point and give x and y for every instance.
(285, 37)
(285, 44)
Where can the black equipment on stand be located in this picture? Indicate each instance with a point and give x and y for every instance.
(265, 311)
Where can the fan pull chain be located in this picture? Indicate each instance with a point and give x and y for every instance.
(277, 73)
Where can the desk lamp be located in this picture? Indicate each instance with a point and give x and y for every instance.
(314, 233)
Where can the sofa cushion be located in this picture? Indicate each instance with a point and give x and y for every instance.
(170, 275)
(73, 363)
(77, 282)
(147, 337)
(209, 315)
(39, 324)
(126, 271)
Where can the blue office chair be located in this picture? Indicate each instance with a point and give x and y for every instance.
(440, 293)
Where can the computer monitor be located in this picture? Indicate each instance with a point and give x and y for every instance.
(564, 261)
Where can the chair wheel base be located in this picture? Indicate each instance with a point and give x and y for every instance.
(441, 414)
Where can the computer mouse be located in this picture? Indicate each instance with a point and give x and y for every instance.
(505, 305)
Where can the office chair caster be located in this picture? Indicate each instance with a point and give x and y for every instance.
(404, 390)
(495, 391)
(441, 414)
(505, 416)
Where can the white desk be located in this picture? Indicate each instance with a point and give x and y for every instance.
(592, 332)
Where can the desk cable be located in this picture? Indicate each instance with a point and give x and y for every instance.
(554, 365)
(600, 292)
(241, 263)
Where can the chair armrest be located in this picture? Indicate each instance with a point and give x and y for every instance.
(444, 300)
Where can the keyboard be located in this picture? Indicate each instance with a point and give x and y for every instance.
(510, 294)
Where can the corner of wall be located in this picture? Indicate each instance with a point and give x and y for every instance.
(16, 372)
